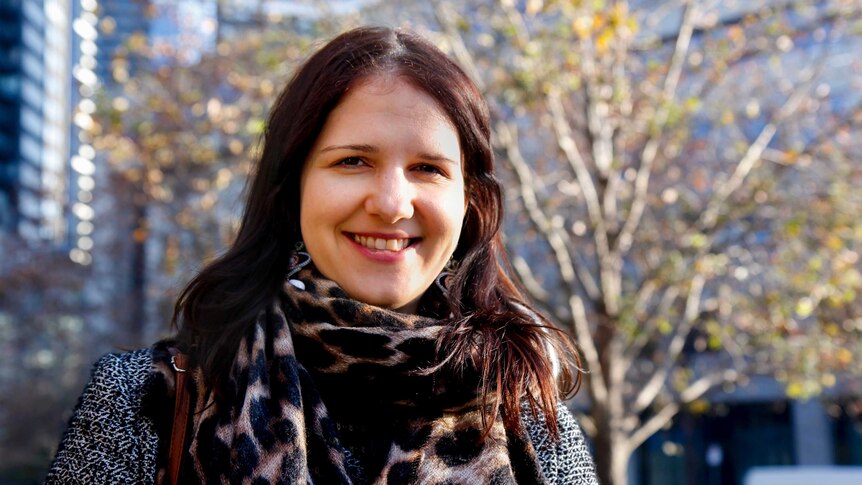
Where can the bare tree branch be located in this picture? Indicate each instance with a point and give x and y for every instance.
(763, 10)
(516, 20)
(599, 126)
(643, 297)
(659, 420)
(652, 425)
(588, 347)
(508, 141)
(657, 381)
(609, 264)
(570, 149)
(558, 240)
(650, 150)
(525, 274)
(446, 18)
(782, 158)
(644, 337)
(753, 154)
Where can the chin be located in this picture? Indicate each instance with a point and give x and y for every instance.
(391, 303)
(387, 301)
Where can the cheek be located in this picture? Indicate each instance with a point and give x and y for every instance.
(314, 189)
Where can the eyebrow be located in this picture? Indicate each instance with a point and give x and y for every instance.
(373, 149)
(359, 148)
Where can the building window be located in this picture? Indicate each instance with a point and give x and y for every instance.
(847, 429)
(719, 446)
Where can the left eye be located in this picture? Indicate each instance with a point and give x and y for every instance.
(350, 162)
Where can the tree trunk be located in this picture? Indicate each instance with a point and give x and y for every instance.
(138, 323)
(619, 467)
(612, 458)
(612, 452)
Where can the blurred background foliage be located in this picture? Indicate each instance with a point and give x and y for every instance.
(685, 192)
(682, 181)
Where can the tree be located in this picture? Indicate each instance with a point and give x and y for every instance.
(685, 174)
(182, 137)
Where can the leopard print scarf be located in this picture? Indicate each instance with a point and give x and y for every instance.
(317, 366)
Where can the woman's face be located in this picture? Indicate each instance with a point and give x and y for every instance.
(382, 193)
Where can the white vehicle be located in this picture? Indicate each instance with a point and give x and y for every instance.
(804, 475)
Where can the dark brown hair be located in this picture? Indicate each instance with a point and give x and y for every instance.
(497, 331)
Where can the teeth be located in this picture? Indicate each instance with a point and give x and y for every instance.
(382, 244)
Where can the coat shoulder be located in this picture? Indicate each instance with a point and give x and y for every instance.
(567, 461)
(108, 439)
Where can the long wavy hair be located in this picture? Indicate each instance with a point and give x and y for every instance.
(517, 350)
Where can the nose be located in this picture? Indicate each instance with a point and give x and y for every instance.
(391, 197)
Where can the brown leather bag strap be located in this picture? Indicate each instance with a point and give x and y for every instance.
(181, 417)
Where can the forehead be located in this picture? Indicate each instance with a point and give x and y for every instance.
(390, 108)
(386, 88)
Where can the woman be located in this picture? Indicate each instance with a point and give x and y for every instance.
(361, 329)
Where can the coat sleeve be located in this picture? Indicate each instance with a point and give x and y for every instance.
(108, 440)
(567, 461)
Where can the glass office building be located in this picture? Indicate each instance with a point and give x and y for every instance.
(34, 118)
(55, 55)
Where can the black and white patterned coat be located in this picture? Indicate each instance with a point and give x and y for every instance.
(109, 440)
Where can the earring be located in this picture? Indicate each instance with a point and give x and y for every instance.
(298, 260)
(442, 280)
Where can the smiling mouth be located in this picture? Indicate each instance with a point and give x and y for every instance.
(380, 244)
